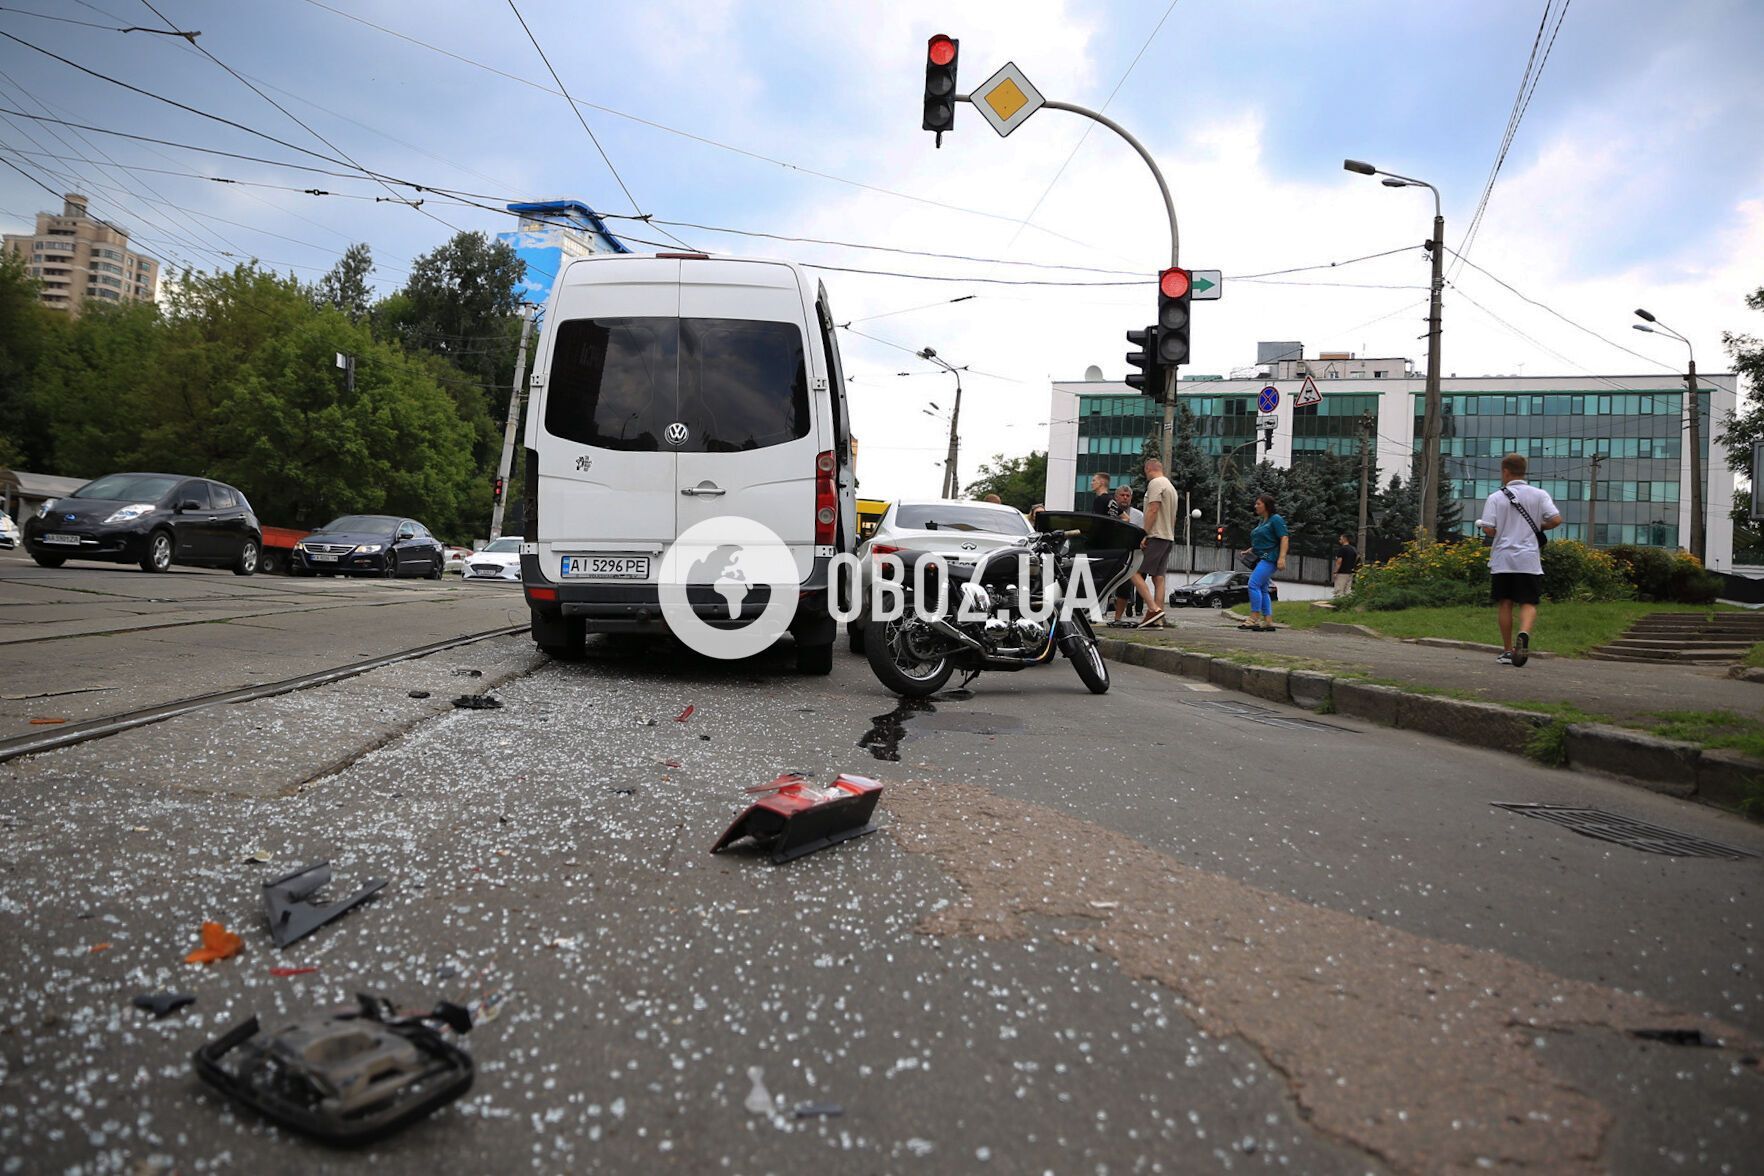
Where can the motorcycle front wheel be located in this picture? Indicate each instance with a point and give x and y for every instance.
(888, 645)
(1087, 659)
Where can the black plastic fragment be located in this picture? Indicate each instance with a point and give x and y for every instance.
(468, 673)
(1692, 1037)
(419, 694)
(292, 913)
(818, 1110)
(163, 1004)
(346, 1077)
(476, 702)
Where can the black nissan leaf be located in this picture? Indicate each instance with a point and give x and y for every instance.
(155, 520)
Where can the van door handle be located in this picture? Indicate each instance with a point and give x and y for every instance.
(703, 490)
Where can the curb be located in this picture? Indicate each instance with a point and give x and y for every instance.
(1685, 770)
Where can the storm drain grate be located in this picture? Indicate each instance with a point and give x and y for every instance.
(1627, 831)
(1261, 714)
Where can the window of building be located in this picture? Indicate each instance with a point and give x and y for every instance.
(1579, 406)
(1604, 406)
(1512, 406)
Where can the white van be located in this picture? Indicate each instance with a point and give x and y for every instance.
(668, 389)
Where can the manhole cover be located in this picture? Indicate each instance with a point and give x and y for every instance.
(1627, 831)
(1261, 714)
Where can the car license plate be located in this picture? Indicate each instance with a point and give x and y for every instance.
(606, 567)
(322, 557)
(63, 540)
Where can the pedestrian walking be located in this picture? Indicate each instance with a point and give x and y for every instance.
(1160, 536)
(1121, 507)
(1100, 497)
(1268, 545)
(1515, 518)
(1347, 558)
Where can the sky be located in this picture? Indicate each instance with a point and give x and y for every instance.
(1635, 175)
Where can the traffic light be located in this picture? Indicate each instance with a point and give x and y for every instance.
(1174, 288)
(497, 483)
(1267, 437)
(941, 53)
(1150, 378)
(1219, 536)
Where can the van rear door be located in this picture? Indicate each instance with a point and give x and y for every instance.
(747, 400)
(607, 477)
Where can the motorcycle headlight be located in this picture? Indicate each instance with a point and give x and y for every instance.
(130, 513)
(367, 548)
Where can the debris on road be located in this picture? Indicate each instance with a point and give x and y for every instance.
(419, 694)
(281, 970)
(759, 1099)
(463, 673)
(217, 944)
(346, 1078)
(162, 1004)
(1692, 1037)
(798, 818)
(476, 702)
(292, 914)
(97, 947)
(45, 721)
(685, 714)
(818, 1110)
(256, 857)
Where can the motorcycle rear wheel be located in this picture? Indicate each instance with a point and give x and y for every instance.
(897, 667)
(1087, 659)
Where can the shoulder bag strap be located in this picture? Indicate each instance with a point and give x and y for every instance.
(1523, 513)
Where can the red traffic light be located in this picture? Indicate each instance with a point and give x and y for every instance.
(1173, 283)
(941, 50)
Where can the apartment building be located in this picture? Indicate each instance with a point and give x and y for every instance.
(80, 259)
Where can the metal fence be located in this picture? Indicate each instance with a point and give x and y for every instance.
(1202, 558)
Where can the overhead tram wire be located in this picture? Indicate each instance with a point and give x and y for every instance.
(577, 111)
(691, 136)
(1090, 125)
(299, 122)
(94, 25)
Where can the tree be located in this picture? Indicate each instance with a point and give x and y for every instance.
(345, 287)
(1395, 513)
(1018, 481)
(28, 333)
(1325, 501)
(1746, 424)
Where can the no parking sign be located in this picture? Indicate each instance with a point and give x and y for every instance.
(1269, 400)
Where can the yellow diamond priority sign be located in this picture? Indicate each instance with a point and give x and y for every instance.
(1007, 99)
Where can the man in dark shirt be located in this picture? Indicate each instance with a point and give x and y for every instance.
(1100, 496)
(1346, 560)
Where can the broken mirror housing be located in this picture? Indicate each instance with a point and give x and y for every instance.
(348, 1077)
(292, 913)
(797, 818)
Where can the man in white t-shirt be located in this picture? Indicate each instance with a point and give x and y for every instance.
(1514, 518)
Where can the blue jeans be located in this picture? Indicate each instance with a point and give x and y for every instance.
(1258, 588)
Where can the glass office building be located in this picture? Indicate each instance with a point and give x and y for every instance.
(1634, 426)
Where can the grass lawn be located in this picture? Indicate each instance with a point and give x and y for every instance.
(1569, 629)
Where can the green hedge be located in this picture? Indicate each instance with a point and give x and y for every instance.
(1428, 574)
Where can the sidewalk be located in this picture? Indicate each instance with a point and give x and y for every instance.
(1618, 690)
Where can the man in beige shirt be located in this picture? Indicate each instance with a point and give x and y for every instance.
(1160, 536)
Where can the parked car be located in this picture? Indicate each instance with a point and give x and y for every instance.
(155, 520)
(10, 535)
(1216, 590)
(454, 559)
(674, 390)
(499, 560)
(370, 545)
(959, 531)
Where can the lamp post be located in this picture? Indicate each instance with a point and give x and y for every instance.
(1430, 429)
(950, 486)
(1654, 326)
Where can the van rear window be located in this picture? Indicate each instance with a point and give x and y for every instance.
(736, 384)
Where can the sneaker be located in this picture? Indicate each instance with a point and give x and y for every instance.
(1522, 649)
(1506, 659)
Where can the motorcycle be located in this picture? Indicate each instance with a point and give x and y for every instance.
(1005, 612)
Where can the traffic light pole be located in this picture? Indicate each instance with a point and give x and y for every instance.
(506, 466)
(1169, 432)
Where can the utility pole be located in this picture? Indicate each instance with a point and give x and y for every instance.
(506, 466)
(1366, 426)
(347, 363)
(950, 485)
(1592, 503)
(1694, 429)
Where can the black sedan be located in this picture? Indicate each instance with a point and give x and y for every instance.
(370, 545)
(1216, 590)
(155, 520)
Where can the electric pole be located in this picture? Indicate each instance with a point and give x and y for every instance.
(1654, 326)
(1592, 503)
(504, 467)
(950, 486)
(1366, 426)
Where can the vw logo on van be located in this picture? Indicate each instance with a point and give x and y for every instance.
(676, 434)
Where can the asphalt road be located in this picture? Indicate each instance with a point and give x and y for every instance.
(1130, 933)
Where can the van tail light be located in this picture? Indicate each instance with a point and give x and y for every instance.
(826, 500)
(548, 595)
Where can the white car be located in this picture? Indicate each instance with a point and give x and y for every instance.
(499, 560)
(9, 533)
(960, 532)
(454, 560)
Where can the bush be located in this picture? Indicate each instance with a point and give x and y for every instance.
(1574, 571)
(1437, 594)
(1649, 569)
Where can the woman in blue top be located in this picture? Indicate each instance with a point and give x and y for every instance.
(1268, 541)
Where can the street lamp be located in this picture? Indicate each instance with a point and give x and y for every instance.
(1654, 326)
(1430, 430)
(949, 463)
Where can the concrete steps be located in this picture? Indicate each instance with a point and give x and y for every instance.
(1685, 638)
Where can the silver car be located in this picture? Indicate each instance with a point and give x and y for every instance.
(959, 531)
